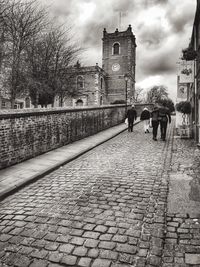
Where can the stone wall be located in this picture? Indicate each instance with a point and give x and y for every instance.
(25, 134)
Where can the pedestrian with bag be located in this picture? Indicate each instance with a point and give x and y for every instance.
(164, 117)
(145, 116)
(132, 116)
(154, 121)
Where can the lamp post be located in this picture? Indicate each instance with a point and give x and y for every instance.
(126, 77)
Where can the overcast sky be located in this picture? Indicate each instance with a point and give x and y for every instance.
(162, 29)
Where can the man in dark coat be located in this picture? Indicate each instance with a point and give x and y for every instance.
(164, 117)
(154, 121)
(132, 116)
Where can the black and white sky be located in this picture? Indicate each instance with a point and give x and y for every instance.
(162, 29)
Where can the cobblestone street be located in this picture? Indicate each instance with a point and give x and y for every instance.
(107, 208)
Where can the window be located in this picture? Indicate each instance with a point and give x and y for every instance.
(3, 103)
(79, 102)
(80, 82)
(116, 49)
(27, 102)
(101, 83)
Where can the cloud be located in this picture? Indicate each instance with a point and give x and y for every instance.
(182, 15)
(162, 29)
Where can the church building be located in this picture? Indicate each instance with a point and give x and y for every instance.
(92, 85)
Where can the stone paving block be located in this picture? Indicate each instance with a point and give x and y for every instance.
(39, 243)
(51, 236)
(65, 223)
(90, 234)
(89, 226)
(55, 256)
(126, 258)
(66, 248)
(76, 232)
(155, 261)
(126, 248)
(40, 254)
(101, 228)
(53, 265)
(5, 237)
(142, 252)
(77, 241)
(52, 246)
(69, 260)
(25, 250)
(39, 263)
(120, 238)
(91, 243)
(107, 254)
(80, 251)
(112, 230)
(105, 237)
(84, 262)
(93, 253)
(21, 261)
(107, 245)
(192, 259)
(101, 263)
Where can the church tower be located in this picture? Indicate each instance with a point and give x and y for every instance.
(119, 49)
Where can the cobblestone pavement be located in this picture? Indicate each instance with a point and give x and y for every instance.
(182, 242)
(105, 209)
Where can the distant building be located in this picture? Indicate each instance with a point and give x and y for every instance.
(86, 86)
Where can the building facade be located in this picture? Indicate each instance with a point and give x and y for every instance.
(119, 54)
(192, 53)
(86, 87)
(92, 85)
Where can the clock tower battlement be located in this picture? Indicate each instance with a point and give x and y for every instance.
(118, 59)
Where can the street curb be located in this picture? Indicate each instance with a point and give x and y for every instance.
(36, 177)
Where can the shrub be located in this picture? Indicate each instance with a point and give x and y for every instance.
(184, 107)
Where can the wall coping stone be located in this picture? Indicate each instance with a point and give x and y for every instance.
(10, 113)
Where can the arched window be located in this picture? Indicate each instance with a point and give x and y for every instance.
(116, 49)
(79, 102)
(80, 82)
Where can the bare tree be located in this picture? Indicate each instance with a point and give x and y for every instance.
(49, 57)
(23, 21)
(4, 5)
(138, 96)
(156, 94)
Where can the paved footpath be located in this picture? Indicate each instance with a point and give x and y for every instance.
(182, 240)
(106, 208)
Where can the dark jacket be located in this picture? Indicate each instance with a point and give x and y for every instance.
(131, 114)
(145, 115)
(164, 114)
(154, 114)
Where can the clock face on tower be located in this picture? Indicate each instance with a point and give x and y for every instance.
(115, 67)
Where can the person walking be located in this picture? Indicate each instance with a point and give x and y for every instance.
(164, 117)
(154, 121)
(145, 116)
(132, 116)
